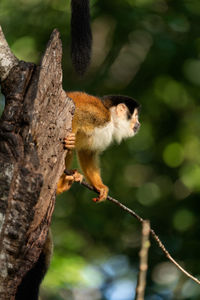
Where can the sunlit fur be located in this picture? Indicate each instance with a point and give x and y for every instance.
(102, 137)
(97, 122)
(117, 129)
(122, 128)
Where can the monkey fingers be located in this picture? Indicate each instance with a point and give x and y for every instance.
(69, 141)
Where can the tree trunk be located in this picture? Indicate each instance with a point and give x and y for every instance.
(36, 118)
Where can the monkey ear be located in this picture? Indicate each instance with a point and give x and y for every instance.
(121, 110)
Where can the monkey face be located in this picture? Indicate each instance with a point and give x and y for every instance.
(135, 124)
(125, 124)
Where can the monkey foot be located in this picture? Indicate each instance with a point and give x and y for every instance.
(69, 141)
(103, 193)
(66, 181)
(77, 177)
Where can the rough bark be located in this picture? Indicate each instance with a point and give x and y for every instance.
(36, 118)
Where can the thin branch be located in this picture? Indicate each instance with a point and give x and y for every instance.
(141, 284)
(153, 234)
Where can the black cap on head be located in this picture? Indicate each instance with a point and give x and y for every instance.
(113, 100)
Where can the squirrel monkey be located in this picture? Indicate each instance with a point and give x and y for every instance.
(96, 124)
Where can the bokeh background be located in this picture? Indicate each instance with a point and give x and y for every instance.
(150, 50)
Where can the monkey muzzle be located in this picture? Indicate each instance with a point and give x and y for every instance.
(136, 127)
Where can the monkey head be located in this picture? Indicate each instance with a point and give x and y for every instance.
(125, 115)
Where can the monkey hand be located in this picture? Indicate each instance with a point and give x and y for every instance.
(103, 193)
(66, 181)
(70, 141)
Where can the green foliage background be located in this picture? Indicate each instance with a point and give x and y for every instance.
(150, 50)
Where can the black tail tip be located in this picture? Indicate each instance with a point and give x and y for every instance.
(81, 60)
(81, 35)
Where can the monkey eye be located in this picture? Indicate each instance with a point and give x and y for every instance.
(129, 116)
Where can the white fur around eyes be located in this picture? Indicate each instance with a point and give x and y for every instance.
(117, 129)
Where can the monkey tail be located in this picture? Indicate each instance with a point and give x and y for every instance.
(81, 36)
(29, 287)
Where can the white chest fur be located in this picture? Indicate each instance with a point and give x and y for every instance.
(102, 137)
(117, 129)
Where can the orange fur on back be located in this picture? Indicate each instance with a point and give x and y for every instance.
(90, 113)
(89, 109)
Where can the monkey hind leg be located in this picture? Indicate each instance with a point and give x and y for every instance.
(89, 164)
(65, 181)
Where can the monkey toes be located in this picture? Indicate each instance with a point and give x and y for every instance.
(69, 141)
(77, 177)
(103, 193)
(66, 181)
(74, 176)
